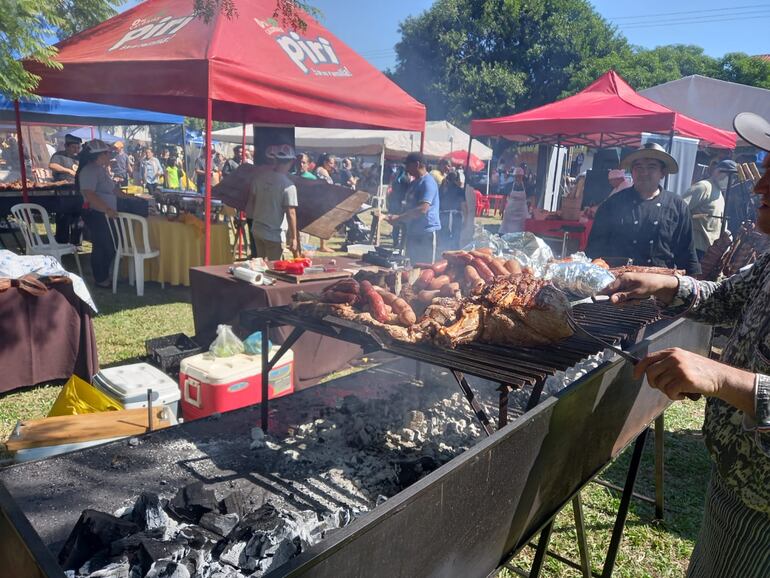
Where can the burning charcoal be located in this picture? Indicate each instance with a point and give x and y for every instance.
(199, 538)
(264, 519)
(94, 532)
(131, 543)
(277, 556)
(257, 438)
(114, 570)
(168, 569)
(221, 524)
(152, 551)
(194, 562)
(192, 501)
(233, 503)
(415, 420)
(148, 513)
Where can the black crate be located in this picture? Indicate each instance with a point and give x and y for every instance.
(169, 351)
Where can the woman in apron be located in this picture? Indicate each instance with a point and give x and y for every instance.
(516, 211)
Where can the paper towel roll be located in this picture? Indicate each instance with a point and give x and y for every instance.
(247, 275)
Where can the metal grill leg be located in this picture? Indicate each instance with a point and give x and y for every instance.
(265, 376)
(502, 406)
(481, 415)
(542, 550)
(660, 430)
(625, 502)
(580, 529)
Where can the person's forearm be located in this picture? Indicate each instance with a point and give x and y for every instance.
(291, 219)
(413, 213)
(738, 389)
(60, 169)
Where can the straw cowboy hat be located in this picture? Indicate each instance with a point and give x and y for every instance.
(753, 129)
(651, 150)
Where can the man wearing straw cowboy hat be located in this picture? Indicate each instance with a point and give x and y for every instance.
(644, 223)
(734, 539)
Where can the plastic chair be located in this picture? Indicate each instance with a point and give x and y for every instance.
(28, 215)
(124, 237)
(482, 203)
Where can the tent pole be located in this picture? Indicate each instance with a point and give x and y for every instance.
(184, 152)
(422, 141)
(668, 150)
(92, 133)
(22, 160)
(207, 152)
(382, 169)
(555, 205)
(468, 158)
(243, 144)
(489, 166)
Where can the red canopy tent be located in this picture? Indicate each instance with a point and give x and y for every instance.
(607, 113)
(245, 69)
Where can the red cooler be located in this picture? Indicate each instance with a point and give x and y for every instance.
(217, 384)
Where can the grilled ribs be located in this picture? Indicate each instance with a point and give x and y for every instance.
(515, 310)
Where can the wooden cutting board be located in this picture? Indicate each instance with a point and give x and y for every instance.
(67, 429)
(306, 277)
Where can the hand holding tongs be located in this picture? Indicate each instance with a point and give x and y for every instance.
(577, 328)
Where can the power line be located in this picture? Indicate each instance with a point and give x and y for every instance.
(693, 22)
(729, 10)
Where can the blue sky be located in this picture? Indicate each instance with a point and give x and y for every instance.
(370, 27)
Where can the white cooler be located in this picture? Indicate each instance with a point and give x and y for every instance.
(128, 385)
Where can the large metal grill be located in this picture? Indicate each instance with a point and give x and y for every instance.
(511, 367)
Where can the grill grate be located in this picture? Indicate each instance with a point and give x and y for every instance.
(513, 366)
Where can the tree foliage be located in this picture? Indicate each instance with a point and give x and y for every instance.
(27, 27)
(483, 58)
(466, 58)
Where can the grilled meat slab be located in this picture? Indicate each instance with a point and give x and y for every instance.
(515, 310)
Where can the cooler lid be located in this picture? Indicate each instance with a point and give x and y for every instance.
(129, 383)
(222, 370)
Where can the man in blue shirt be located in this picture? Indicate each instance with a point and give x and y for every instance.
(422, 214)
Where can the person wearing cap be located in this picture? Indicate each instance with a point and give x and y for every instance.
(644, 223)
(618, 181)
(272, 197)
(734, 539)
(707, 206)
(422, 212)
(234, 162)
(94, 182)
(515, 211)
(63, 164)
(120, 165)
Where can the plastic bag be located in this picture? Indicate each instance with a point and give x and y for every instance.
(227, 343)
(579, 278)
(78, 397)
(253, 343)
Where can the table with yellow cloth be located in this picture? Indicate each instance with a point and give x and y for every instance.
(181, 246)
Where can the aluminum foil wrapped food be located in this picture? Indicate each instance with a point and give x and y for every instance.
(579, 278)
(528, 249)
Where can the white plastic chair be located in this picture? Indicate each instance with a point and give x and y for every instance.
(123, 233)
(27, 216)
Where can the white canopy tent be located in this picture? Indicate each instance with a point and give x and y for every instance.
(715, 102)
(441, 139)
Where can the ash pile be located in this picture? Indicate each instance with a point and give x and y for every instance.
(322, 475)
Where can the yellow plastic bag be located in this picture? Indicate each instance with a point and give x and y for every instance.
(78, 397)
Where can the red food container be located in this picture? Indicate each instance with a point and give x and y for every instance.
(216, 384)
(280, 265)
(295, 268)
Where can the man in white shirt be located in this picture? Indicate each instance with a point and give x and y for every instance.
(618, 180)
(272, 196)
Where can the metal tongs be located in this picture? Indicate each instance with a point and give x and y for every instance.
(577, 328)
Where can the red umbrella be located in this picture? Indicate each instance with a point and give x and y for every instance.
(459, 157)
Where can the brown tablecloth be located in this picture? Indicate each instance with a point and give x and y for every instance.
(217, 298)
(45, 338)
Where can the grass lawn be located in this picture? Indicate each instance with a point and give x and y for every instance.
(649, 548)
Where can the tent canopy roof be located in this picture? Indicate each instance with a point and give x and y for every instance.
(62, 111)
(709, 100)
(158, 56)
(608, 112)
(441, 138)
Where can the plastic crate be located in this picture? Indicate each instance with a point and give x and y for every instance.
(169, 351)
